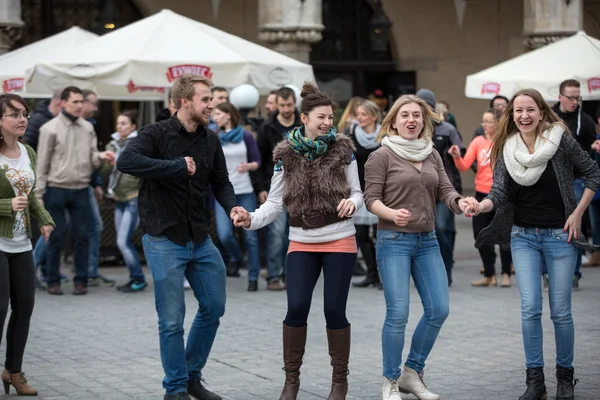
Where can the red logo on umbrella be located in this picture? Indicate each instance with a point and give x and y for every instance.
(490, 88)
(593, 84)
(178, 70)
(132, 87)
(11, 85)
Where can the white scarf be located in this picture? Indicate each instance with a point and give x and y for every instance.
(411, 150)
(526, 168)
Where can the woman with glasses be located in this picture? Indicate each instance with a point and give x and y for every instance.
(17, 206)
(479, 150)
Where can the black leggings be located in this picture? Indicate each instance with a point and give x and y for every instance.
(17, 286)
(367, 248)
(303, 271)
(487, 251)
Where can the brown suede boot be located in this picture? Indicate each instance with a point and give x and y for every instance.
(339, 351)
(485, 281)
(594, 260)
(294, 341)
(19, 382)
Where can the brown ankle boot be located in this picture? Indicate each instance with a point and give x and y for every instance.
(594, 260)
(294, 341)
(339, 351)
(19, 382)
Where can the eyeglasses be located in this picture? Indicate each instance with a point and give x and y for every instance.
(17, 115)
(572, 98)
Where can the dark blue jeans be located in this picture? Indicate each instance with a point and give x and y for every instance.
(76, 203)
(444, 229)
(204, 269)
(95, 234)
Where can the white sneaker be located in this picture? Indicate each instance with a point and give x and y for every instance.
(186, 284)
(411, 382)
(390, 390)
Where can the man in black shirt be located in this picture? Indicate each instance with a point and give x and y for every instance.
(176, 159)
(271, 132)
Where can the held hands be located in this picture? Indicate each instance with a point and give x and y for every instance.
(454, 151)
(19, 203)
(345, 208)
(99, 193)
(469, 206)
(240, 217)
(46, 230)
(400, 217)
(191, 165)
(262, 197)
(573, 226)
(109, 157)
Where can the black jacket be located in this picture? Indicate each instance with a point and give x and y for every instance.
(267, 138)
(586, 128)
(40, 116)
(171, 202)
(444, 136)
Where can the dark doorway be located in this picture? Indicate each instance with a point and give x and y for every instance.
(344, 61)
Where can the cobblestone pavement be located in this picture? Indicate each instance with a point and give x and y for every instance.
(105, 345)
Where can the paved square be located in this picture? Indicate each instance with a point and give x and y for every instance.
(105, 345)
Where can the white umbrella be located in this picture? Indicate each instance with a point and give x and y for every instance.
(14, 65)
(150, 54)
(576, 57)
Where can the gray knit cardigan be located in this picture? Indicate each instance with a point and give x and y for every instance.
(568, 157)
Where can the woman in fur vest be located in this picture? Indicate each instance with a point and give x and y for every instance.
(316, 178)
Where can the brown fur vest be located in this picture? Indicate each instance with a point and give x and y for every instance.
(318, 186)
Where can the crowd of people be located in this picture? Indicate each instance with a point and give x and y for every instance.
(387, 187)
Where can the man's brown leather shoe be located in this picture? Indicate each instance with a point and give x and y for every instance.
(79, 289)
(55, 289)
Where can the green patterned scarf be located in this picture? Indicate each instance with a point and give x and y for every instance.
(311, 149)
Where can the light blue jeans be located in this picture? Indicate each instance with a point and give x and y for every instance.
(228, 240)
(126, 222)
(277, 246)
(94, 234)
(400, 256)
(204, 269)
(531, 249)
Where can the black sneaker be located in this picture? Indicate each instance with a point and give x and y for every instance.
(133, 286)
(196, 390)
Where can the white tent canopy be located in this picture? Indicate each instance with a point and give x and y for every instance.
(576, 57)
(14, 65)
(148, 55)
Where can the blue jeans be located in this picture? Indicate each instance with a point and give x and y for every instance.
(400, 256)
(39, 254)
(278, 243)
(126, 222)
(204, 269)
(77, 204)
(531, 248)
(444, 229)
(95, 234)
(594, 210)
(229, 242)
(579, 186)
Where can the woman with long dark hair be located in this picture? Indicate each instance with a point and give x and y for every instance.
(316, 178)
(17, 205)
(533, 159)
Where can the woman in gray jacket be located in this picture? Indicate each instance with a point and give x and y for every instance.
(533, 158)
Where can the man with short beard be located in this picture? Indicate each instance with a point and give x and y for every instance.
(271, 104)
(176, 159)
(271, 132)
